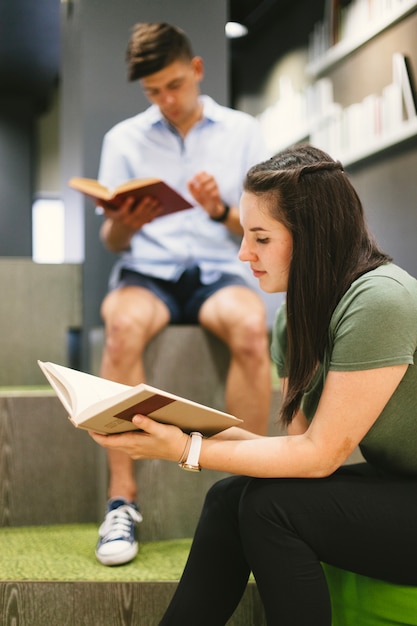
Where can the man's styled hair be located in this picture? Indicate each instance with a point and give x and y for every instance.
(308, 192)
(153, 46)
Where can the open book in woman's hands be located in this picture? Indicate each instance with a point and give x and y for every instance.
(103, 406)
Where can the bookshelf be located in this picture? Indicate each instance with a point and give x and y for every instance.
(379, 120)
(341, 98)
(325, 128)
(342, 49)
(405, 133)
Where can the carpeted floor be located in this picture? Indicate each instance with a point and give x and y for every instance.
(66, 553)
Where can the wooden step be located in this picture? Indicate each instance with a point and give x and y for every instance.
(49, 576)
(28, 603)
(38, 318)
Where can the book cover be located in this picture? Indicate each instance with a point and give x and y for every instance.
(170, 199)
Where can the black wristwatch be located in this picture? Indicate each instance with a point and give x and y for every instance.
(223, 216)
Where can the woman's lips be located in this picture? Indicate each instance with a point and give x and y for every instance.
(258, 273)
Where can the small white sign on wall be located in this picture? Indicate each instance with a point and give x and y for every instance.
(48, 238)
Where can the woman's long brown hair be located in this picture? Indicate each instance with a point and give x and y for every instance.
(307, 191)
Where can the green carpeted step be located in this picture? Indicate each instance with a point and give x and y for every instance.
(49, 576)
(66, 553)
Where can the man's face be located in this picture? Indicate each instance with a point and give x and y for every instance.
(175, 90)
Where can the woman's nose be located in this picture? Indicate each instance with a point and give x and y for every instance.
(244, 252)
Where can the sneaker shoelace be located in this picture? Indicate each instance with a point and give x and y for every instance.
(117, 524)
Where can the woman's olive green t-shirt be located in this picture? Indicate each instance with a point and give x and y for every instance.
(374, 325)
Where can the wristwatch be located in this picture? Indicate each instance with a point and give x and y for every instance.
(192, 461)
(223, 216)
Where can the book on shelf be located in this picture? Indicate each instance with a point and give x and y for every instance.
(403, 76)
(139, 188)
(107, 407)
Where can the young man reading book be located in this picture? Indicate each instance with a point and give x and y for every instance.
(182, 267)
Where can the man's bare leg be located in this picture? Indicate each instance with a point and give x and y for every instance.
(132, 316)
(237, 315)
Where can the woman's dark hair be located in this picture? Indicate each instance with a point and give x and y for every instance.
(154, 46)
(308, 192)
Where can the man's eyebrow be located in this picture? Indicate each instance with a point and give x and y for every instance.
(178, 79)
(171, 83)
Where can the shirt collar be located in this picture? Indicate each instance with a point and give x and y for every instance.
(211, 112)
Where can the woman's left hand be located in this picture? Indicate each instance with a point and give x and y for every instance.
(152, 441)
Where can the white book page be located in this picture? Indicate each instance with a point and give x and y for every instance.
(78, 390)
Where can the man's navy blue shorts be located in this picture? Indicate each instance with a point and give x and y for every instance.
(183, 297)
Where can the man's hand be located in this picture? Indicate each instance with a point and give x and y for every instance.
(123, 221)
(203, 187)
(131, 213)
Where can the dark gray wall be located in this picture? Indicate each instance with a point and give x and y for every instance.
(275, 28)
(96, 95)
(16, 177)
(388, 188)
(29, 53)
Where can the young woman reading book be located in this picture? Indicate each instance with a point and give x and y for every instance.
(344, 345)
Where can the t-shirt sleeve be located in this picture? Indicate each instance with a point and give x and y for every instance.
(373, 326)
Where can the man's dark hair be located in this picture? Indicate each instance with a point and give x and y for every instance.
(154, 46)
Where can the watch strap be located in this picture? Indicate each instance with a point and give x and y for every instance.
(192, 461)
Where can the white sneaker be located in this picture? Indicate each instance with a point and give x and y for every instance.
(117, 543)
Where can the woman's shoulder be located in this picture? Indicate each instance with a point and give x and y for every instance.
(383, 284)
(387, 292)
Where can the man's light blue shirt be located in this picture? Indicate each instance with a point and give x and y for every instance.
(224, 143)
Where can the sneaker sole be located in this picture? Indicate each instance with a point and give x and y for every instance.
(118, 559)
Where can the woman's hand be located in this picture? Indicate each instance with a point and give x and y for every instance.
(152, 441)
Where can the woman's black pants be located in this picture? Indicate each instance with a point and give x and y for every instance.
(281, 530)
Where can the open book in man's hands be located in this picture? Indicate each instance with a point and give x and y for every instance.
(170, 199)
(101, 405)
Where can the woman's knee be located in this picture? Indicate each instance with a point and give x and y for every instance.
(266, 501)
(223, 497)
